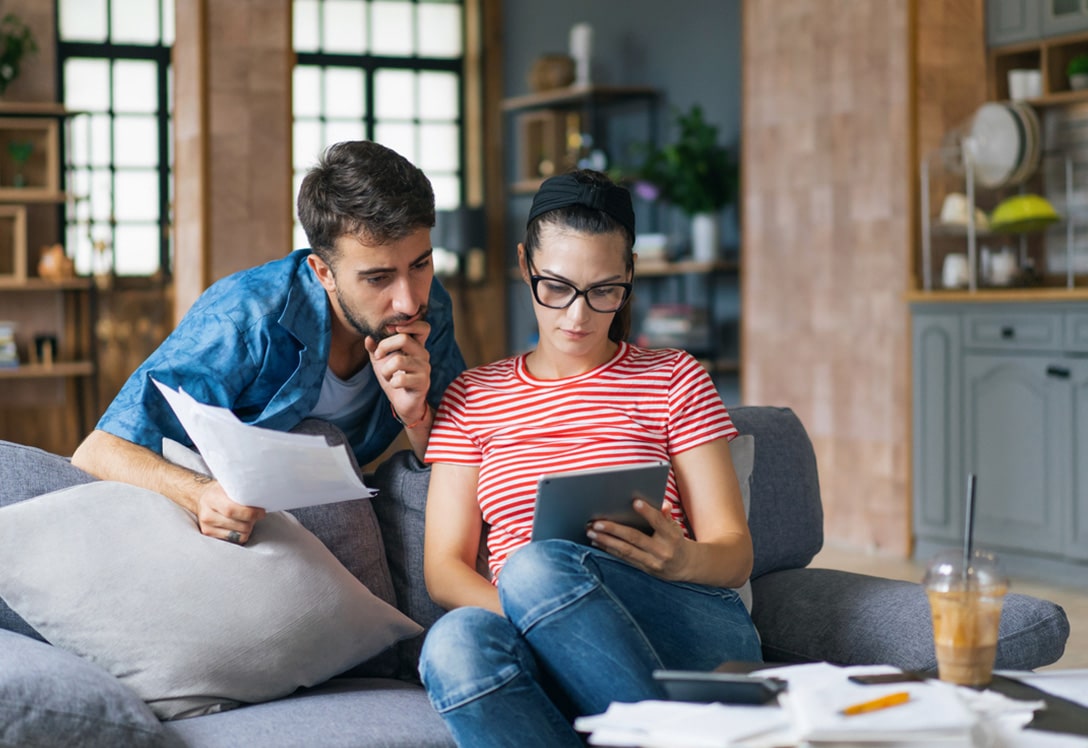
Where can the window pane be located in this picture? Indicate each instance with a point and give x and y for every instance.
(307, 144)
(101, 148)
(83, 20)
(136, 141)
(447, 191)
(438, 97)
(168, 22)
(87, 84)
(305, 27)
(391, 21)
(340, 130)
(135, 88)
(306, 90)
(344, 92)
(394, 94)
(438, 148)
(344, 27)
(101, 196)
(401, 138)
(439, 29)
(136, 196)
(136, 249)
(79, 185)
(78, 246)
(134, 21)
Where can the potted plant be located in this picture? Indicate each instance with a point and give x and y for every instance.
(1077, 72)
(16, 42)
(696, 174)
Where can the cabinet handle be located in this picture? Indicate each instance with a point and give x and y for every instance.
(1008, 333)
(1059, 372)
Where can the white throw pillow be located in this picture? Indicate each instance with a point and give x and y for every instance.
(122, 577)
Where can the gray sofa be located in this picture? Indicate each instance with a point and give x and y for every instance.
(802, 614)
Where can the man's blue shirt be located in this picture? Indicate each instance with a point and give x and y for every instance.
(257, 342)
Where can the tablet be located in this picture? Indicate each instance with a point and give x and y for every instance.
(567, 502)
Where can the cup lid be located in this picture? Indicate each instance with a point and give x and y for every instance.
(945, 572)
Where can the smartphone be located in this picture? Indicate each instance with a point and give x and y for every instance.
(728, 688)
(881, 678)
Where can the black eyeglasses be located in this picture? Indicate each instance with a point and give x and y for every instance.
(600, 297)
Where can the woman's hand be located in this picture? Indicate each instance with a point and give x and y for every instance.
(664, 554)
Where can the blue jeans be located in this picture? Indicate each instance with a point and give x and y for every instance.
(582, 629)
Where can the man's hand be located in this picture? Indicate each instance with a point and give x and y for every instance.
(220, 517)
(402, 365)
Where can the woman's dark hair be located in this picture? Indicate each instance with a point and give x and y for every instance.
(584, 219)
(365, 189)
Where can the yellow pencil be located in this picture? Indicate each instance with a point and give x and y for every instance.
(892, 699)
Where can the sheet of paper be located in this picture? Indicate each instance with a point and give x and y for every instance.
(679, 724)
(265, 468)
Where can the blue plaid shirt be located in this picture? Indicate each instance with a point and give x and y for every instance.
(257, 342)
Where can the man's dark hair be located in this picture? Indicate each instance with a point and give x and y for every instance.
(364, 189)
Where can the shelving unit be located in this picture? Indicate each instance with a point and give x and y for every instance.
(1050, 56)
(31, 200)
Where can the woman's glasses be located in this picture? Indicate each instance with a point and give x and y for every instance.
(558, 294)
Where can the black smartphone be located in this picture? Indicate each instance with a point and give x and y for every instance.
(881, 678)
(728, 688)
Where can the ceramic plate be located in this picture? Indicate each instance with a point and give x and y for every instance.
(998, 137)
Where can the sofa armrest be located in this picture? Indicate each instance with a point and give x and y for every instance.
(807, 615)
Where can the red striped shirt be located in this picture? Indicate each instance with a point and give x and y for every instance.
(640, 406)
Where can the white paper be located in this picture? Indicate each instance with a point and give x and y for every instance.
(679, 724)
(261, 467)
(1066, 684)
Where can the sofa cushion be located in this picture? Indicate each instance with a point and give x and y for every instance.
(806, 615)
(192, 624)
(343, 713)
(49, 696)
(26, 472)
(786, 517)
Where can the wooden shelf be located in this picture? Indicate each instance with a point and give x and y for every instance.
(1050, 56)
(574, 96)
(39, 108)
(684, 267)
(41, 284)
(990, 294)
(58, 370)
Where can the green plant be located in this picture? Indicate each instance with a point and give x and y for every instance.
(16, 41)
(695, 173)
(1077, 66)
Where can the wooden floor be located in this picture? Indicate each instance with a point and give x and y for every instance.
(1073, 600)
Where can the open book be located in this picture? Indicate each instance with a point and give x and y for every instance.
(260, 467)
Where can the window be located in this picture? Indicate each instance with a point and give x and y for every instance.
(114, 58)
(383, 70)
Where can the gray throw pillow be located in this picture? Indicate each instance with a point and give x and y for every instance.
(743, 451)
(51, 697)
(121, 576)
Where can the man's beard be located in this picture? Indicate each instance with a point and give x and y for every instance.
(365, 329)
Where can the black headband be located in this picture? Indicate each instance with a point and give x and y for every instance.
(564, 190)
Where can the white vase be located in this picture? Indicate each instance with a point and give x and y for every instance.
(705, 237)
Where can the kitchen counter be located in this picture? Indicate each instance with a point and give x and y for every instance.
(999, 295)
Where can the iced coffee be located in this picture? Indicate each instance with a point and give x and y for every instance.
(966, 607)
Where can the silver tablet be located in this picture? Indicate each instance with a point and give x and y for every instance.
(567, 502)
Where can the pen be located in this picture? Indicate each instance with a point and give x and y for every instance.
(892, 699)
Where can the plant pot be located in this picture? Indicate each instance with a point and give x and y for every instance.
(705, 237)
(1079, 81)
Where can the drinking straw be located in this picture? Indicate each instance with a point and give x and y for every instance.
(969, 525)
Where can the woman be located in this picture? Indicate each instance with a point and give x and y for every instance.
(563, 629)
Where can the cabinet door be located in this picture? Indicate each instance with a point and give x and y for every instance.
(1017, 436)
(1010, 21)
(938, 476)
(1077, 535)
(1064, 16)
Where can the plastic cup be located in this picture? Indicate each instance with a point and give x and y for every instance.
(966, 609)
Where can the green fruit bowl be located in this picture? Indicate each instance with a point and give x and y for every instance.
(1023, 213)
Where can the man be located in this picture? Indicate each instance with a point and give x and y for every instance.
(354, 332)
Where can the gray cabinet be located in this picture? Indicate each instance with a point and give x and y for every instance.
(1014, 21)
(1063, 16)
(1001, 391)
(1011, 21)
